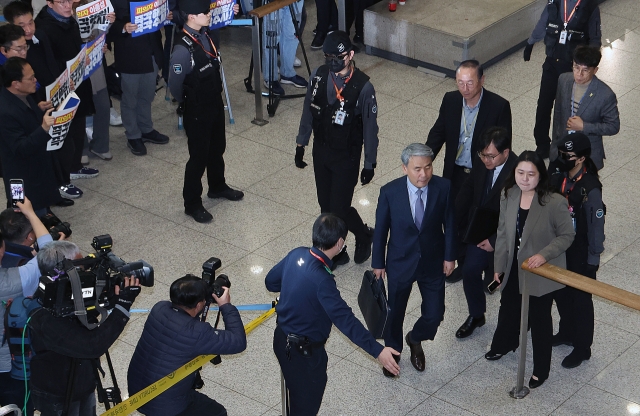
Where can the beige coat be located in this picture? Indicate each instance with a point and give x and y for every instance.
(548, 231)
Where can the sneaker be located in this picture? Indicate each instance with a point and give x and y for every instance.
(84, 160)
(155, 137)
(103, 156)
(276, 88)
(230, 194)
(363, 246)
(85, 173)
(296, 80)
(297, 63)
(199, 214)
(318, 40)
(89, 131)
(137, 147)
(70, 191)
(114, 118)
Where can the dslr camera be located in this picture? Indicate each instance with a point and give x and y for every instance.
(214, 284)
(56, 226)
(98, 274)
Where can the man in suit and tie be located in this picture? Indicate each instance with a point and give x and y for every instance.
(415, 213)
(481, 194)
(585, 104)
(464, 115)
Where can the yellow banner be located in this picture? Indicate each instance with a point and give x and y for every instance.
(149, 393)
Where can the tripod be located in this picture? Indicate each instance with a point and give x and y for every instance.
(271, 25)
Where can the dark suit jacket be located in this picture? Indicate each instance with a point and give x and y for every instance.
(23, 145)
(435, 240)
(598, 110)
(494, 111)
(470, 195)
(548, 231)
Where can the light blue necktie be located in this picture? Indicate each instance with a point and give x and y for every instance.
(419, 209)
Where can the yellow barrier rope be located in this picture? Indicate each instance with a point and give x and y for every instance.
(149, 393)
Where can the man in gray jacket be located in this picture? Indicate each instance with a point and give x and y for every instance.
(585, 104)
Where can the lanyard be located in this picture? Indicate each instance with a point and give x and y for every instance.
(213, 47)
(339, 91)
(326, 266)
(573, 182)
(473, 122)
(566, 21)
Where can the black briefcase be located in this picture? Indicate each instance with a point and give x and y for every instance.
(372, 300)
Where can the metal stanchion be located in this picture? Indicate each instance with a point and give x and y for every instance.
(257, 81)
(167, 96)
(226, 91)
(342, 21)
(285, 396)
(520, 390)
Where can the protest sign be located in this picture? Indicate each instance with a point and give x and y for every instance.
(150, 16)
(222, 13)
(93, 16)
(94, 53)
(76, 67)
(63, 117)
(59, 89)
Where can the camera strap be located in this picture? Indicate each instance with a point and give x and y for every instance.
(78, 301)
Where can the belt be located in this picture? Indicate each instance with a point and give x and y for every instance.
(308, 343)
(466, 170)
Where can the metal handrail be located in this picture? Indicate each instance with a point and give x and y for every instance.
(567, 278)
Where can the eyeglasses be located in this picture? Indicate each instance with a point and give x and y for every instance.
(487, 157)
(64, 2)
(341, 57)
(582, 70)
(23, 48)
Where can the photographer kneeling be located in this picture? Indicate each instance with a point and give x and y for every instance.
(62, 344)
(174, 335)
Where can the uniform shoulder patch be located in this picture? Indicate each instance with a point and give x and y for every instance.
(177, 68)
(374, 109)
(600, 213)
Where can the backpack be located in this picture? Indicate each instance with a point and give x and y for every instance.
(16, 331)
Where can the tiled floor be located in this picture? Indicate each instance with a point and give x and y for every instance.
(138, 201)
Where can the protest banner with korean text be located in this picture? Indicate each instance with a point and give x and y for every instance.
(63, 117)
(149, 16)
(59, 89)
(95, 54)
(93, 16)
(222, 13)
(76, 67)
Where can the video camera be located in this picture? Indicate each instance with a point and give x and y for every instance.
(98, 275)
(214, 285)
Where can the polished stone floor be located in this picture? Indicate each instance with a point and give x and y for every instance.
(138, 201)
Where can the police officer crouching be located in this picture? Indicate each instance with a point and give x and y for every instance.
(575, 176)
(196, 83)
(340, 108)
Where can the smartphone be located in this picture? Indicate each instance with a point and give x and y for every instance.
(17, 191)
(494, 285)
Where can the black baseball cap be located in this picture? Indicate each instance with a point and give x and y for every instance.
(575, 142)
(337, 43)
(194, 6)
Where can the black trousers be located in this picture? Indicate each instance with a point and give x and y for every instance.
(460, 175)
(551, 70)
(327, 15)
(202, 405)
(477, 260)
(207, 142)
(431, 286)
(306, 377)
(70, 154)
(336, 173)
(576, 314)
(355, 12)
(507, 335)
(12, 391)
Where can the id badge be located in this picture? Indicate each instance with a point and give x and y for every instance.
(339, 118)
(563, 37)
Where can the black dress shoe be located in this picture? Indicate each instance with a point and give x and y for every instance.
(533, 383)
(154, 136)
(455, 276)
(230, 194)
(65, 202)
(340, 260)
(358, 39)
(417, 354)
(363, 246)
(199, 214)
(469, 325)
(386, 372)
(558, 339)
(318, 40)
(137, 147)
(576, 358)
(493, 356)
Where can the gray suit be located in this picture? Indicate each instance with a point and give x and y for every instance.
(548, 231)
(598, 110)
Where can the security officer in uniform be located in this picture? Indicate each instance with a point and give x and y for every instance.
(309, 304)
(575, 176)
(564, 25)
(195, 82)
(341, 110)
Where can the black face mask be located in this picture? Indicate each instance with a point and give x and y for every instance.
(335, 64)
(566, 164)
